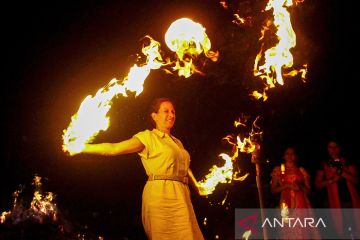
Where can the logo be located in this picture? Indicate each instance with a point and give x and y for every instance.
(294, 222)
(244, 223)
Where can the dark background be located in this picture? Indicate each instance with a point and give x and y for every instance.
(56, 53)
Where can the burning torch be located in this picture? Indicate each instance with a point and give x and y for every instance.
(255, 158)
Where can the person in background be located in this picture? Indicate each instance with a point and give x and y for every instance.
(167, 211)
(291, 181)
(293, 184)
(340, 179)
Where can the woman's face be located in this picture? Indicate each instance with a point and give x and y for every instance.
(333, 150)
(165, 117)
(290, 155)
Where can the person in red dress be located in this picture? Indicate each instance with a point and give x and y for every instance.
(291, 181)
(293, 184)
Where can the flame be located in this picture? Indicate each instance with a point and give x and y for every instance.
(188, 39)
(224, 4)
(257, 95)
(246, 145)
(185, 37)
(238, 123)
(4, 215)
(284, 212)
(279, 57)
(282, 168)
(235, 11)
(225, 198)
(238, 20)
(302, 72)
(242, 21)
(226, 174)
(91, 117)
(246, 234)
(41, 206)
(7, 214)
(218, 175)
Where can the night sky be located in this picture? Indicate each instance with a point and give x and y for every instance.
(58, 52)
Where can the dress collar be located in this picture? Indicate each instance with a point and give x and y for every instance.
(163, 135)
(160, 133)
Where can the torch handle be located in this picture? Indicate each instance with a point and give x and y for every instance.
(261, 197)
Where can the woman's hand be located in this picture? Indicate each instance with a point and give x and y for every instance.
(201, 191)
(72, 149)
(333, 179)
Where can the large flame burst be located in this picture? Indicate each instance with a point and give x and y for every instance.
(226, 173)
(91, 117)
(277, 58)
(185, 37)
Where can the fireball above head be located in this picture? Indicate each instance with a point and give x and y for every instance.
(187, 34)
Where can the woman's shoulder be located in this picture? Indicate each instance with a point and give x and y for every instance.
(144, 132)
(144, 135)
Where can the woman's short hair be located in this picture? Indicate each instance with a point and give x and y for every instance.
(155, 107)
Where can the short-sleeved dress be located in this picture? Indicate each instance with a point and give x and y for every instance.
(167, 211)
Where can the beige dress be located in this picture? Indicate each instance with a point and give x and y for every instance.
(167, 212)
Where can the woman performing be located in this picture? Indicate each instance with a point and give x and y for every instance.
(167, 211)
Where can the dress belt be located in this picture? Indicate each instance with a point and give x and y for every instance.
(153, 177)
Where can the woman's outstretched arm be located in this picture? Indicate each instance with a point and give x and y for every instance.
(131, 145)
